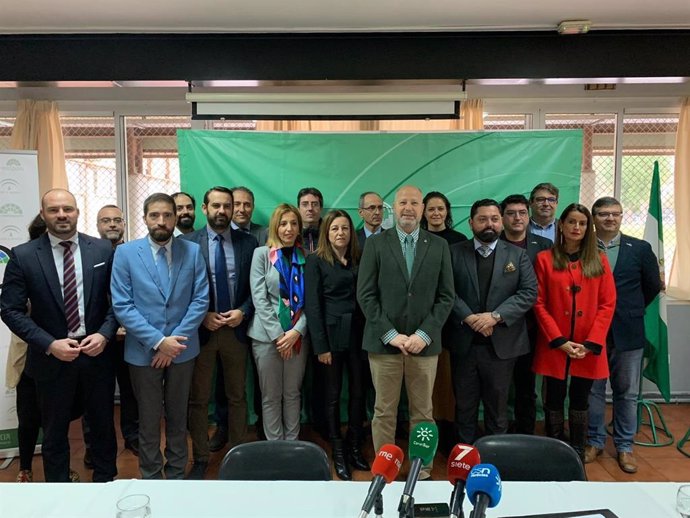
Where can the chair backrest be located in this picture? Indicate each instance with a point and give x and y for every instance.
(276, 460)
(531, 458)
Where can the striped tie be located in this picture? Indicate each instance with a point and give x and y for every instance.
(69, 288)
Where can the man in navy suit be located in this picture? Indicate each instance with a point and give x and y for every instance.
(636, 272)
(160, 296)
(371, 212)
(55, 298)
(228, 255)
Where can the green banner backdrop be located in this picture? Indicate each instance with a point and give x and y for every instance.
(465, 166)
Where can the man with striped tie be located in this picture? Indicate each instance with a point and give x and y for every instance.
(64, 277)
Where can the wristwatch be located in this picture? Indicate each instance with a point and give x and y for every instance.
(496, 316)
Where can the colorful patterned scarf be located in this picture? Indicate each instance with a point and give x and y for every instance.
(291, 287)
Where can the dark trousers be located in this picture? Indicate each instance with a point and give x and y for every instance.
(333, 378)
(29, 417)
(129, 411)
(478, 376)
(90, 382)
(578, 394)
(524, 381)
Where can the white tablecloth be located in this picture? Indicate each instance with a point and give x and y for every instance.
(206, 499)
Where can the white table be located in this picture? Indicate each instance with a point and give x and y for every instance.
(207, 499)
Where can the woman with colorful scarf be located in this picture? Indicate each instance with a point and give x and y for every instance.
(279, 323)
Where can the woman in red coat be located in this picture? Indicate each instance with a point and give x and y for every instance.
(574, 308)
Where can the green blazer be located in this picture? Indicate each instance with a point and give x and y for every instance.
(392, 299)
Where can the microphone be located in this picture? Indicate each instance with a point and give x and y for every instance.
(461, 460)
(422, 448)
(385, 468)
(483, 489)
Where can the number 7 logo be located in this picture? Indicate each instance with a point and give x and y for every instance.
(464, 450)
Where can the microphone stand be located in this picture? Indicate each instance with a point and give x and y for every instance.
(378, 506)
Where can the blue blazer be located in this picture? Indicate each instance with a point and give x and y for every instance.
(637, 284)
(145, 311)
(243, 245)
(31, 276)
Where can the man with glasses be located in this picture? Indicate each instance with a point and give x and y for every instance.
(543, 202)
(514, 210)
(371, 212)
(636, 272)
(110, 223)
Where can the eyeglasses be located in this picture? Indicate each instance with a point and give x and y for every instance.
(609, 214)
(373, 208)
(108, 221)
(513, 213)
(550, 199)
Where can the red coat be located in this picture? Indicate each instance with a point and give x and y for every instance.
(594, 307)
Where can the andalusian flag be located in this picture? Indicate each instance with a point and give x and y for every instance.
(655, 321)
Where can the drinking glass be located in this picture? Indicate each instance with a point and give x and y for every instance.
(134, 506)
(683, 501)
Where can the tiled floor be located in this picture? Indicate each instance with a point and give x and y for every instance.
(655, 464)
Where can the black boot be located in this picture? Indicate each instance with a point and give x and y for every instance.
(354, 452)
(554, 423)
(577, 422)
(341, 468)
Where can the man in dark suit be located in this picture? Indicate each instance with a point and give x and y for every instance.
(371, 212)
(636, 273)
(228, 257)
(495, 287)
(242, 211)
(405, 288)
(515, 214)
(64, 276)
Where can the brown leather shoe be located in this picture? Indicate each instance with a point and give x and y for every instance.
(591, 453)
(627, 462)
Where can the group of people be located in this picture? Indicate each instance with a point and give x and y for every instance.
(527, 294)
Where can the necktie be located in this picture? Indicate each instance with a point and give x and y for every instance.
(162, 267)
(409, 253)
(485, 251)
(221, 271)
(69, 288)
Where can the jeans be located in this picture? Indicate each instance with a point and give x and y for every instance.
(625, 367)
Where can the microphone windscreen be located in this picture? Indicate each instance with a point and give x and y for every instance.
(484, 478)
(388, 462)
(461, 460)
(423, 442)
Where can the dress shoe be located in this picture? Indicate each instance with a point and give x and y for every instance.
(342, 470)
(198, 471)
(219, 439)
(627, 462)
(132, 445)
(356, 459)
(25, 475)
(591, 453)
(88, 463)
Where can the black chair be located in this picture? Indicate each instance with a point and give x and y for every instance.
(533, 458)
(276, 460)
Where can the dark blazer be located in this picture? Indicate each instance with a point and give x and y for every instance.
(31, 276)
(333, 316)
(361, 239)
(512, 292)
(535, 244)
(243, 245)
(392, 299)
(637, 284)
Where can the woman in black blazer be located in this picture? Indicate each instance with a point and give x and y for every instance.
(335, 326)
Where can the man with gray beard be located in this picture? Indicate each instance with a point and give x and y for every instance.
(495, 286)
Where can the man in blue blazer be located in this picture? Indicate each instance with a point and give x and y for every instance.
(160, 296)
(227, 256)
(636, 272)
(55, 298)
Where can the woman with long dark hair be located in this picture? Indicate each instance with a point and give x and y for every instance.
(335, 327)
(438, 219)
(279, 322)
(575, 304)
